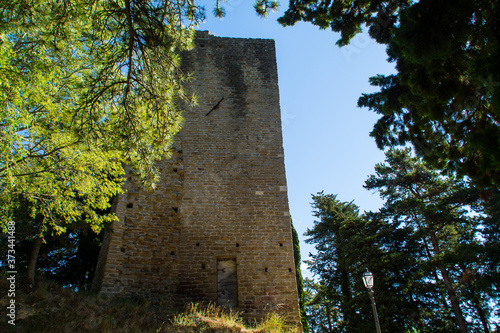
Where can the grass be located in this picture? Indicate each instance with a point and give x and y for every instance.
(52, 308)
(274, 323)
(211, 318)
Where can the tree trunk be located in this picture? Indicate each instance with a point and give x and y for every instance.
(477, 305)
(442, 293)
(455, 304)
(328, 316)
(33, 259)
(418, 316)
(101, 263)
(103, 253)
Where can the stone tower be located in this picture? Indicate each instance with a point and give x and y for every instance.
(217, 227)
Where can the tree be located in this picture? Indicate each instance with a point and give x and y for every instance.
(484, 280)
(69, 258)
(444, 98)
(262, 7)
(432, 247)
(347, 243)
(436, 208)
(298, 275)
(320, 313)
(87, 86)
(339, 262)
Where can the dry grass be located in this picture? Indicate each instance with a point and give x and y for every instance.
(51, 308)
(214, 319)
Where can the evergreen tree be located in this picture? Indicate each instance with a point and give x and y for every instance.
(433, 249)
(347, 243)
(484, 278)
(436, 208)
(321, 314)
(339, 263)
(444, 98)
(298, 275)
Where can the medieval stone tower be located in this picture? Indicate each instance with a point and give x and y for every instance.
(217, 227)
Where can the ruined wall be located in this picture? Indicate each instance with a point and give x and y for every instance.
(217, 228)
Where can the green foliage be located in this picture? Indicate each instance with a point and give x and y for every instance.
(70, 258)
(45, 167)
(298, 275)
(436, 211)
(262, 7)
(346, 17)
(444, 98)
(433, 249)
(196, 312)
(340, 238)
(321, 313)
(347, 243)
(211, 318)
(86, 87)
(274, 323)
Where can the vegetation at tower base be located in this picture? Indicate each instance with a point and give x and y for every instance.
(68, 259)
(300, 281)
(444, 98)
(433, 249)
(50, 308)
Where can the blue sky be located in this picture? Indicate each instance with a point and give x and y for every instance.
(326, 136)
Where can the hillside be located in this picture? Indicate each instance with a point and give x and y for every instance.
(52, 308)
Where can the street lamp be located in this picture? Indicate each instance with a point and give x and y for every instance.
(368, 281)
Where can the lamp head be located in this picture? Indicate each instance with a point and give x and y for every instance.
(368, 279)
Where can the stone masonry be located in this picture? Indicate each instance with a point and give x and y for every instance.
(217, 227)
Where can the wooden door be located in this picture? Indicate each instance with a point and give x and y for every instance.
(227, 283)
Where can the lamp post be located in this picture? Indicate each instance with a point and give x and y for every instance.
(368, 281)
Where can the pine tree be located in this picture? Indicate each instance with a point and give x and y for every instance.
(444, 98)
(86, 87)
(435, 207)
(347, 243)
(298, 275)
(339, 261)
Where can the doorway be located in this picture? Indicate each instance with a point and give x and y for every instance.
(227, 283)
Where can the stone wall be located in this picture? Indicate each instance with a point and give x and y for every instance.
(217, 228)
